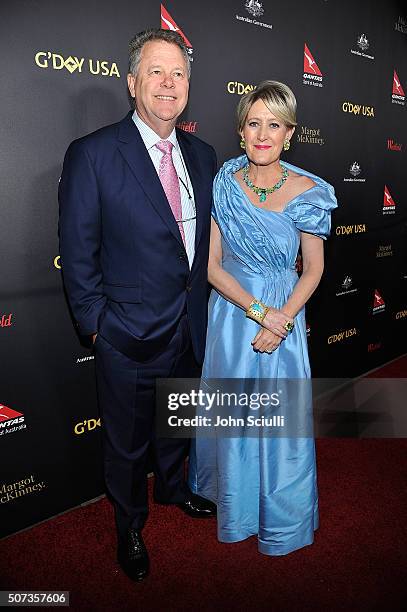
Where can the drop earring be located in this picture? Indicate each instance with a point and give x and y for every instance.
(286, 144)
(242, 143)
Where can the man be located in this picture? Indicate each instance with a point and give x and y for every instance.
(135, 200)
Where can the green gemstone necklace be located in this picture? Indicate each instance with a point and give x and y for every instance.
(263, 192)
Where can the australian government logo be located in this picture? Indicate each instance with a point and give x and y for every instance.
(312, 75)
(355, 171)
(358, 109)
(398, 96)
(85, 359)
(255, 9)
(363, 45)
(346, 287)
(401, 25)
(310, 135)
(168, 23)
(10, 420)
(350, 230)
(72, 63)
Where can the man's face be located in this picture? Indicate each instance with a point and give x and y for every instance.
(161, 85)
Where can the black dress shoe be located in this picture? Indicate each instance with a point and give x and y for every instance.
(198, 507)
(132, 556)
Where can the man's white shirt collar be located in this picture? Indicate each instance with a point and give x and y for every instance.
(150, 138)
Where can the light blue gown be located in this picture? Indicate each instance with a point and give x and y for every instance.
(263, 486)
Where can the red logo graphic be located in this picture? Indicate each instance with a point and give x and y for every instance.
(387, 199)
(6, 414)
(397, 88)
(188, 126)
(310, 65)
(378, 300)
(393, 146)
(167, 23)
(5, 320)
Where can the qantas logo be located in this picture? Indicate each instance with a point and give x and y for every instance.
(397, 88)
(389, 205)
(312, 74)
(10, 420)
(168, 23)
(378, 302)
(6, 414)
(398, 96)
(310, 65)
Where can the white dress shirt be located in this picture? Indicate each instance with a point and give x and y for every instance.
(150, 139)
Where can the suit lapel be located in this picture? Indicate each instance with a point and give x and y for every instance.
(132, 148)
(193, 166)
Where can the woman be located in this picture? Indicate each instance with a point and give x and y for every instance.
(264, 209)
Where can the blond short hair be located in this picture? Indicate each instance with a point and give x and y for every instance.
(278, 98)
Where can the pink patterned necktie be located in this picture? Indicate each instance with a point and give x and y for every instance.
(169, 181)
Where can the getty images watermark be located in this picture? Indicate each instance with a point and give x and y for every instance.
(233, 408)
(289, 408)
(218, 399)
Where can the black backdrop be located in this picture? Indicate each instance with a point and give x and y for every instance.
(64, 74)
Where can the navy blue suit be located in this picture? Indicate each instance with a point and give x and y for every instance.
(127, 278)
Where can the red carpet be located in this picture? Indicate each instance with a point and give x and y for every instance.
(357, 562)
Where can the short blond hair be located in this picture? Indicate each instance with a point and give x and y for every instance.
(278, 98)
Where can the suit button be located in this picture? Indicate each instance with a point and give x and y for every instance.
(188, 288)
(181, 255)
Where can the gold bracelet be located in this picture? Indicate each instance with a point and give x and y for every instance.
(257, 311)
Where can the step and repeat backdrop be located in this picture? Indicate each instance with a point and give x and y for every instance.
(64, 75)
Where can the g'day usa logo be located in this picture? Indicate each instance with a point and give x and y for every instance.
(167, 23)
(72, 63)
(10, 420)
(312, 74)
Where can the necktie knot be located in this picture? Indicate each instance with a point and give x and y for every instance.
(165, 146)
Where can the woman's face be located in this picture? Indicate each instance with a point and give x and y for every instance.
(264, 135)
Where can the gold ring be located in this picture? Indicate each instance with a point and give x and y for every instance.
(288, 326)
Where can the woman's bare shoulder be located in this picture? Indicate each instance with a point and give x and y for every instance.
(302, 181)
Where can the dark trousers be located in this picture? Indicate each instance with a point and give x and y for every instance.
(126, 392)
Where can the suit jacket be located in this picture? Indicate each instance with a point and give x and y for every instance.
(124, 264)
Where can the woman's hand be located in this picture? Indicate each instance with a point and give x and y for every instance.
(266, 341)
(275, 320)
